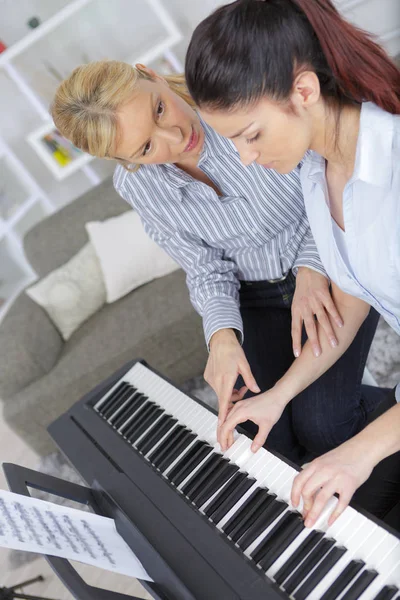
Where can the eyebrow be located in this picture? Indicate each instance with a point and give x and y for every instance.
(146, 142)
(241, 132)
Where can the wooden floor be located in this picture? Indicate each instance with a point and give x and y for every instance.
(12, 449)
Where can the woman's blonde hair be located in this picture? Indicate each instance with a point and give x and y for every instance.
(85, 106)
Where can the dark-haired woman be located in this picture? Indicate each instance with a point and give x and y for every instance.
(287, 79)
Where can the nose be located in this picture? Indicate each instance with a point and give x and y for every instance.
(248, 155)
(172, 135)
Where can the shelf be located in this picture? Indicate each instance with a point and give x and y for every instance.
(13, 191)
(6, 226)
(43, 29)
(97, 32)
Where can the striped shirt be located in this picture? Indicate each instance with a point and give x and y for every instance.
(257, 230)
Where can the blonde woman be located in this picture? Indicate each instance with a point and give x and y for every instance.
(241, 235)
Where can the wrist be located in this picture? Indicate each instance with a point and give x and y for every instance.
(223, 336)
(283, 392)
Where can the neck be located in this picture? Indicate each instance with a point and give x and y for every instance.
(335, 137)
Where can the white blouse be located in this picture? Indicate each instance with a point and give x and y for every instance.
(365, 260)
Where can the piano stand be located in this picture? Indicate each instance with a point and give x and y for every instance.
(19, 479)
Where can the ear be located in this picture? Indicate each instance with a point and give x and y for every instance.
(306, 89)
(149, 72)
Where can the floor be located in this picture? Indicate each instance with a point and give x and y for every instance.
(13, 449)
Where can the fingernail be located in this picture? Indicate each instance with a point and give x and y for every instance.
(219, 422)
(340, 323)
(334, 343)
(257, 388)
(308, 523)
(255, 448)
(296, 353)
(317, 352)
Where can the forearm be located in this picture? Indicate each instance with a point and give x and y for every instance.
(307, 368)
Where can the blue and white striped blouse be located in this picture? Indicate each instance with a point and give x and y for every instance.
(257, 230)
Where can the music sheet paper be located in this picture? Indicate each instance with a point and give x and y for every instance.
(45, 528)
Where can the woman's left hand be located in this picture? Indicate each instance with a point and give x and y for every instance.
(264, 410)
(312, 298)
(340, 471)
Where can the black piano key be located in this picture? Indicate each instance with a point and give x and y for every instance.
(171, 439)
(264, 520)
(224, 472)
(246, 511)
(184, 441)
(191, 464)
(298, 556)
(198, 479)
(156, 433)
(224, 501)
(344, 579)
(127, 428)
(387, 593)
(315, 556)
(135, 402)
(360, 585)
(114, 402)
(260, 551)
(150, 420)
(319, 573)
(182, 467)
(252, 519)
(281, 542)
(140, 416)
(120, 389)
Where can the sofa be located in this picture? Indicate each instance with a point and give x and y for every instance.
(41, 376)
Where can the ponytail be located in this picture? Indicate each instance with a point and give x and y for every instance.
(361, 67)
(250, 49)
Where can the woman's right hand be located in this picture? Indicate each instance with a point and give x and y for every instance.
(226, 361)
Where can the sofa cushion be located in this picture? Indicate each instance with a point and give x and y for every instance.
(73, 292)
(121, 325)
(55, 240)
(30, 346)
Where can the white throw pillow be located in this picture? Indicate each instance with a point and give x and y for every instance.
(72, 293)
(127, 256)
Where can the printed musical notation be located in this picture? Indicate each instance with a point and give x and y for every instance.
(43, 527)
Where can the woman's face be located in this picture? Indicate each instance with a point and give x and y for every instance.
(156, 126)
(267, 133)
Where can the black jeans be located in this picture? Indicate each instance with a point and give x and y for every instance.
(380, 494)
(329, 411)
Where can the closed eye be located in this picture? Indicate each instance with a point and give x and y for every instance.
(253, 139)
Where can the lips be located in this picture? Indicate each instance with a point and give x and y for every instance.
(193, 141)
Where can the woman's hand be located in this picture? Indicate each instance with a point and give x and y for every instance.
(339, 471)
(226, 362)
(313, 298)
(264, 410)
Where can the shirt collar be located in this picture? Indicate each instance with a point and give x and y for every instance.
(374, 147)
(373, 162)
(175, 177)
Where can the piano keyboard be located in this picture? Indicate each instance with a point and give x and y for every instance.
(246, 496)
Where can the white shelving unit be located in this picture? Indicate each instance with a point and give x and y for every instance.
(130, 30)
(22, 204)
(71, 33)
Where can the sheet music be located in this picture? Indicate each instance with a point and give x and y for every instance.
(43, 527)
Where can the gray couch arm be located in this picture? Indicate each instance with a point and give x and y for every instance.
(30, 346)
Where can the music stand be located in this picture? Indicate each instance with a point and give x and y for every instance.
(9, 593)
